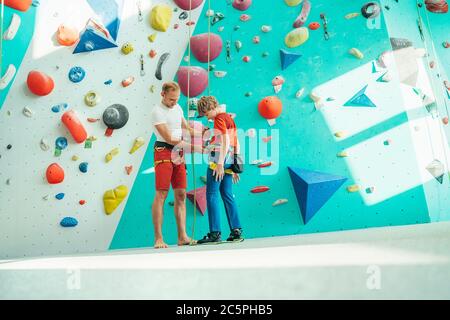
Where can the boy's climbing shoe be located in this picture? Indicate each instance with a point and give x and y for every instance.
(211, 238)
(235, 236)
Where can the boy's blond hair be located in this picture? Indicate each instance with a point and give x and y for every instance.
(207, 103)
(170, 86)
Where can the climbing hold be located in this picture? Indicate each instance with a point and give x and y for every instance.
(356, 53)
(371, 10)
(171, 203)
(45, 197)
(83, 167)
(351, 15)
(60, 196)
(113, 198)
(265, 164)
(387, 142)
(108, 82)
(313, 189)
(318, 102)
(199, 46)
(27, 112)
(138, 142)
(238, 45)
(256, 162)
(188, 4)
(75, 127)
(75, 158)
(266, 28)
(360, 99)
(296, 37)
(209, 13)
(127, 48)
(92, 120)
(353, 188)
(314, 26)
(152, 37)
(265, 54)
(241, 5)
(220, 74)
(303, 16)
(244, 17)
(44, 145)
(67, 36)
(190, 23)
(126, 82)
(198, 80)
(152, 53)
(6, 79)
(203, 179)
(220, 29)
(164, 57)
(340, 134)
(39, 83)
(267, 139)
(270, 107)
(160, 17)
(256, 39)
(445, 120)
(292, 3)
(279, 202)
(246, 58)
(200, 198)
(331, 99)
(342, 154)
(21, 5)
(76, 74)
(437, 170)
(68, 222)
(13, 27)
(248, 94)
(60, 144)
(277, 83)
(128, 169)
(176, 26)
(259, 189)
(385, 77)
(57, 108)
(299, 93)
(218, 16)
(82, 202)
(437, 6)
(109, 156)
(91, 98)
(115, 117)
(287, 58)
(370, 190)
(446, 44)
(9, 146)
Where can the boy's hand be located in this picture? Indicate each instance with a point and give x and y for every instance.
(218, 172)
(236, 178)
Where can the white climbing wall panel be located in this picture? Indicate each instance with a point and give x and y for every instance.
(28, 223)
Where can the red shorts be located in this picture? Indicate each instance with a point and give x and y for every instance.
(169, 169)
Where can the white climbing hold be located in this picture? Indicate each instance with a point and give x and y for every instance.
(436, 169)
(318, 102)
(277, 83)
(266, 28)
(271, 122)
(220, 74)
(299, 93)
(7, 77)
(279, 202)
(11, 31)
(256, 162)
(210, 13)
(27, 112)
(356, 53)
(44, 145)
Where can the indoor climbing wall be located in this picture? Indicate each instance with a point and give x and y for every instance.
(354, 146)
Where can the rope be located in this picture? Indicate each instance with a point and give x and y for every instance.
(2, 15)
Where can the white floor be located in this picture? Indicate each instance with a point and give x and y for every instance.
(410, 262)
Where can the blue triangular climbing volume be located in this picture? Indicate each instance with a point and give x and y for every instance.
(91, 41)
(313, 189)
(382, 79)
(360, 100)
(287, 58)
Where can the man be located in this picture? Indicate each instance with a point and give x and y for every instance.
(168, 123)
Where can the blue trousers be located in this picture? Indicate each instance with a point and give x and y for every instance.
(225, 187)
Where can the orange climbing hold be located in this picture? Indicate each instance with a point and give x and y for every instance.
(270, 107)
(314, 26)
(54, 173)
(67, 36)
(21, 5)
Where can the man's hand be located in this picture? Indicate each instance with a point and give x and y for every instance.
(236, 178)
(218, 172)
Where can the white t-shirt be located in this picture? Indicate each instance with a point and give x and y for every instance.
(171, 117)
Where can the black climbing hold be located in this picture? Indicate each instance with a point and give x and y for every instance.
(371, 10)
(9, 147)
(162, 59)
(183, 15)
(115, 117)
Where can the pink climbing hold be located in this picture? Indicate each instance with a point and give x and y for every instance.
(200, 198)
(197, 83)
(246, 58)
(244, 17)
(199, 46)
(188, 4)
(242, 5)
(303, 16)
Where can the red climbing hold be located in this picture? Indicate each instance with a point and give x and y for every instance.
(39, 83)
(200, 198)
(21, 5)
(242, 5)
(75, 127)
(260, 189)
(188, 4)
(82, 202)
(270, 107)
(314, 26)
(199, 46)
(54, 174)
(265, 164)
(437, 6)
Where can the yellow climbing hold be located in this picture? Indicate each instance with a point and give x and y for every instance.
(75, 158)
(356, 53)
(340, 134)
(138, 142)
(296, 37)
(342, 154)
(160, 17)
(351, 15)
(109, 156)
(353, 188)
(293, 3)
(152, 37)
(127, 48)
(113, 198)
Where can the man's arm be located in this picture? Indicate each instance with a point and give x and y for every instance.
(165, 133)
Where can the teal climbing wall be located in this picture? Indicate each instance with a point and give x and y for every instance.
(302, 136)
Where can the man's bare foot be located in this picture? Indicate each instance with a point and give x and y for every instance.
(160, 244)
(185, 241)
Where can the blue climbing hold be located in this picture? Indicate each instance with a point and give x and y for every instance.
(288, 58)
(108, 82)
(360, 100)
(57, 108)
(61, 143)
(59, 196)
(68, 222)
(76, 74)
(313, 189)
(83, 167)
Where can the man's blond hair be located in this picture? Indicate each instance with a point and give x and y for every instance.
(207, 103)
(170, 86)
